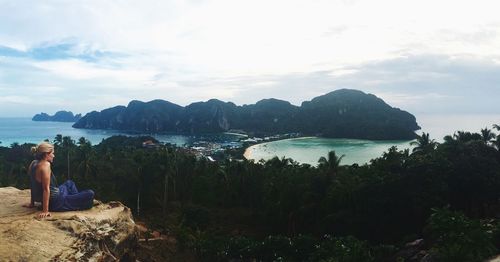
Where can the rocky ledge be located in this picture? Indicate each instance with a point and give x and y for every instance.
(106, 232)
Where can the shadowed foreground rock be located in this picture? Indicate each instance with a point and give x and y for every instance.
(106, 232)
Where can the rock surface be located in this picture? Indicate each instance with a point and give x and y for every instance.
(106, 232)
(413, 252)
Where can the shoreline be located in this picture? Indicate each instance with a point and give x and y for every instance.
(248, 151)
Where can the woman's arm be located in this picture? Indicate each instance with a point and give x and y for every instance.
(46, 171)
(32, 203)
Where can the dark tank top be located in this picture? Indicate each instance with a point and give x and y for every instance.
(36, 187)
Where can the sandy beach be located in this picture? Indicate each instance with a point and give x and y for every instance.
(248, 151)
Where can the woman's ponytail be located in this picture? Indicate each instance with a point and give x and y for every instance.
(42, 149)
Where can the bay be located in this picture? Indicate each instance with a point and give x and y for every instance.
(309, 150)
(303, 150)
(23, 130)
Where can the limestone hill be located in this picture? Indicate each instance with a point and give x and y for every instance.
(342, 113)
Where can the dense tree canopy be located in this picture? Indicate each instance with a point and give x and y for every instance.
(386, 202)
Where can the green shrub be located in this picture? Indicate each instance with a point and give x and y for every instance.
(185, 236)
(211, 248)
(276, 248)
(342, 249)
(196, 217)
(281, 248)
(303, 246)
(242, 248)
(383, 252)
(455, 237)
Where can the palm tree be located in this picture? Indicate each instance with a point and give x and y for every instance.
(487, 135)
(166, 167)
(67, 144)
(331, 165)
(496, 142)
(463, 137)
(423, 143)
(85, 157)
(176, 174)
(497, 127)
(58, 140)
(83, 142)
(448, 139)
(139, 159)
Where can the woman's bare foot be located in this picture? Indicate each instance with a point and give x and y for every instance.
(30, 205)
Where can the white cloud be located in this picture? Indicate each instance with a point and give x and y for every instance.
(52, 89)
(405, 100)
(14, 100)
(242, 51)
(78, 70)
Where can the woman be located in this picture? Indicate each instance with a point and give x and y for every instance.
(44, 187)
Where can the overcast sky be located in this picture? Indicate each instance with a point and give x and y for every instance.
(421, 56)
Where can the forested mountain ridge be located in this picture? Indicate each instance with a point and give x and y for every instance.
(343, 113)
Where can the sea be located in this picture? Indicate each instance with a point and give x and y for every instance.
(354, 151)
(303, 150)
(24, 130)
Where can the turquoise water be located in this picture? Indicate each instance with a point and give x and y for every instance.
(305, 150)
(23, 130)
(309, 150)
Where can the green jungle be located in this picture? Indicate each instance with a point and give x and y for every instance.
(445, 195)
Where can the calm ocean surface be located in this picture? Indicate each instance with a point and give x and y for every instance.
(303, 150)
(309, 150)
(23, 130)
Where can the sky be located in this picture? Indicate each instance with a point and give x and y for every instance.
(425, 57)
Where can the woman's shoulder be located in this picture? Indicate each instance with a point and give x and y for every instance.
(43, 164)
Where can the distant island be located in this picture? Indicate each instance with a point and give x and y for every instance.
(343, 113)
(59, 116)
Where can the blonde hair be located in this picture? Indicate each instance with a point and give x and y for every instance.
(42, 149)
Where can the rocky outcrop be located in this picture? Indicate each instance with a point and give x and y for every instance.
(59, 116)
(415, 251)
(106, 232)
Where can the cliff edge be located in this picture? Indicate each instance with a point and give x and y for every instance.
(106, 232)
